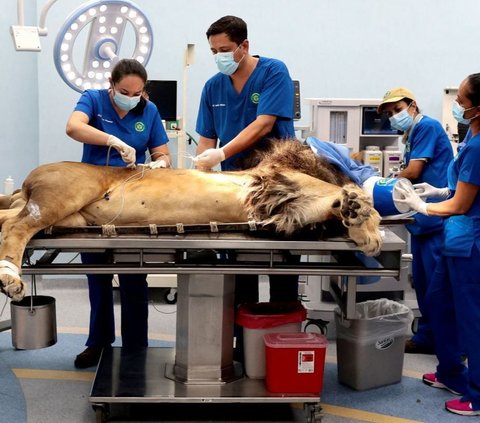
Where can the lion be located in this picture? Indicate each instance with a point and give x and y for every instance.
(288, 188)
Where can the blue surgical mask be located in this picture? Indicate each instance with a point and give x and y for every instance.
(125, 102)
(226, 63)
(402, 121)
(458, 111)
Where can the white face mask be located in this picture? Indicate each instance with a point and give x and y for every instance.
(458, 111)
(226, 63)
(125, 102)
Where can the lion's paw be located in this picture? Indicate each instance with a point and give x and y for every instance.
(10, 282)
(15, 290)
(368, 239)
(356, 208)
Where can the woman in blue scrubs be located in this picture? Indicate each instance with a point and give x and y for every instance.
(117, 126)
(461, 250)
(427, 154)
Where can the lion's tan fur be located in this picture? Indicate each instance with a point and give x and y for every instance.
(285, 190)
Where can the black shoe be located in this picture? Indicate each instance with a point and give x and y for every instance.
(88, 358)
(411, 347)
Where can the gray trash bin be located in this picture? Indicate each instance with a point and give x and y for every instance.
(371, 346)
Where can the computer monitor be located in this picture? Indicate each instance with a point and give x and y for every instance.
(374, 123)
(164, 95)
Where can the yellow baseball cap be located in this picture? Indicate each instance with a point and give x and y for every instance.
(394, 95)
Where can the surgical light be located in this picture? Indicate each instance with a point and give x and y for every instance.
(107, 21)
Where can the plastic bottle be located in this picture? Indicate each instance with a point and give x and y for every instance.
(8, 186)
(392, 158)
(372, 156)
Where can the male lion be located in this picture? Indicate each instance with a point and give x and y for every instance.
(289, 188)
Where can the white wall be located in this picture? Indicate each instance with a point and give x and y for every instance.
(336, 48)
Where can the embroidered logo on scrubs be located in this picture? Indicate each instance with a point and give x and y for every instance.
(139, 127)
(255, 98)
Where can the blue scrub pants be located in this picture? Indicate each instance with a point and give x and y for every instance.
(134, 307)
(443, 321)
(465, 280)
(426, 252)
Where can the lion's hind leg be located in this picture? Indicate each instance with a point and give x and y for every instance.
(355, 210)
(11, 205)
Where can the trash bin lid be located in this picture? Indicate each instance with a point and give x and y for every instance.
(295, 340)
(266, 315)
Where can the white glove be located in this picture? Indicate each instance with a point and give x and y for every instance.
(157, 164)
(127, 153)
(425, 190)
(411, 199)
(209, 158)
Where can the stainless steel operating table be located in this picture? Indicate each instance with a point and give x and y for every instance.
(201, 369)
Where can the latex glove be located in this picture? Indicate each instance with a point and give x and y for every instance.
(411, 199)
(157, 164)
(209, 158)
(127, 153)
(425, 190)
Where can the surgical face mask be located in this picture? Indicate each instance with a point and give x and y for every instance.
(226, 63)
(402, 121)
(458, 111)
(125, 102)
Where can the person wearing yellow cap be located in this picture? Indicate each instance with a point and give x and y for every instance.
(426, 157)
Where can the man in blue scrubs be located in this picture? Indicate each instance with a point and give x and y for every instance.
(247, 102)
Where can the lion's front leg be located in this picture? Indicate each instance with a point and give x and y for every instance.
(15, 235)
(355, 209)
(10, 282)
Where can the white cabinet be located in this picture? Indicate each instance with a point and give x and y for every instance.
(352, 122)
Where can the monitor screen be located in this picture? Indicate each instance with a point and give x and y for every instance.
(164, 95)
(374, 123)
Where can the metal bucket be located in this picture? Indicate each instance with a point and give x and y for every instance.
(34, 322)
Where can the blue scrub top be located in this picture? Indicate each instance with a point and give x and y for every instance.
(142, 131)
(429, 141)
(462, 232)
(224, 113)
(466, 168)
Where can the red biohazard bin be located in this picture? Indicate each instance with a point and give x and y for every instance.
(295, 362)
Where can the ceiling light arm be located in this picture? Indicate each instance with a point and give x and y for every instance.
(20, 13)
(27, 38)
(42, 29)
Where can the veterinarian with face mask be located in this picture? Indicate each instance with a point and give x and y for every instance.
(426, 156)
(117, 127)
(461, 249)
(249, 100)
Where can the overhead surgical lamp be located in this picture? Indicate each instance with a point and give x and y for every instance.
(107, 21)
